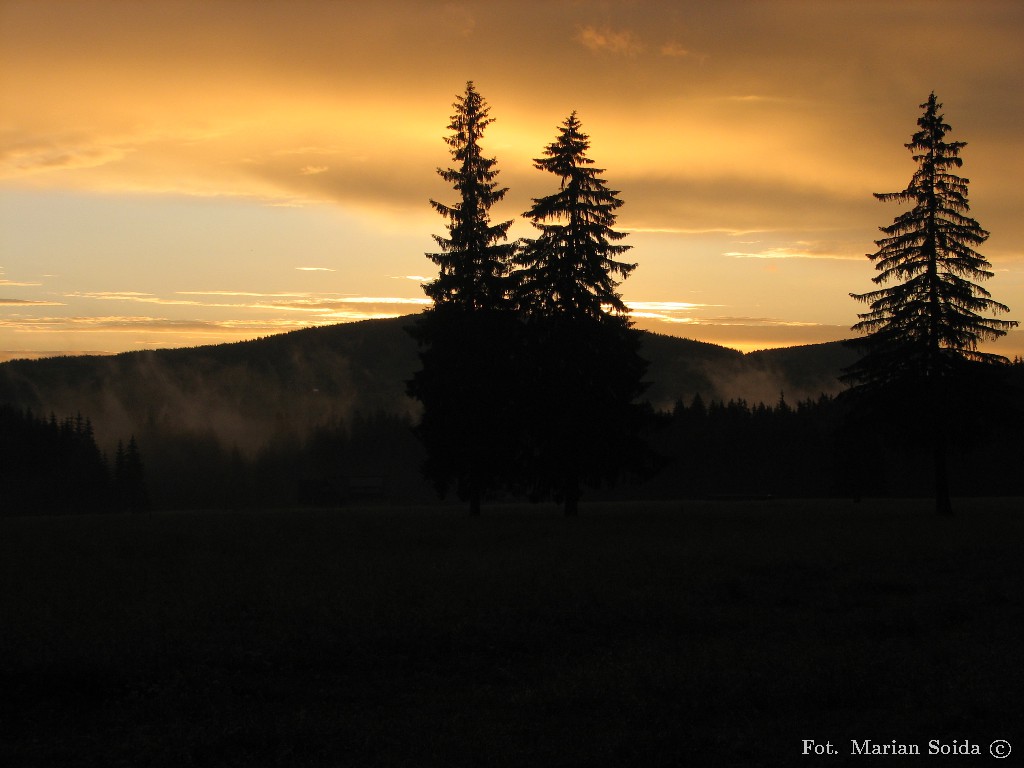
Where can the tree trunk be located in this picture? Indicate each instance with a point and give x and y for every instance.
(572, 506)
(943, 505)
(572, 498)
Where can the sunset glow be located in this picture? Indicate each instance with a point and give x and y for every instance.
(179, 172)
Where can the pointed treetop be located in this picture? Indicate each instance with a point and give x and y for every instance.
(567, 151)
(934, 312)
(473, 259)
(571, 268)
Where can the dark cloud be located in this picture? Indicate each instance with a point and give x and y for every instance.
(741, 204)
(28, 302)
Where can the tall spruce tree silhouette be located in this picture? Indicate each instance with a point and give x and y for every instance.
(570, 270)
(464, 380)
(920, 354)
(583, 369)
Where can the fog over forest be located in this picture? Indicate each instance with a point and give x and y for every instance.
(246, 393)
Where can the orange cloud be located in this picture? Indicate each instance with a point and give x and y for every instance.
(792, 253)
(28, 302)
(606, 40)
(674, 50)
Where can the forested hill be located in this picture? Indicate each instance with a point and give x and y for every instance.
(248, 392)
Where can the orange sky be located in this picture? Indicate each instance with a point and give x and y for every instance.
(181, 173)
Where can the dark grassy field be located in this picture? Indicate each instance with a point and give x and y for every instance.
(715, 633)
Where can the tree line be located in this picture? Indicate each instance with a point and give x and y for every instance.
(705, 449)
(815, 448)
(55, 466)
(530, 378)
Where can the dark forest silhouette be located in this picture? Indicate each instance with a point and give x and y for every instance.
(51, 466)
(709, 449)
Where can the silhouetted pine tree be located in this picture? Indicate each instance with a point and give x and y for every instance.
(467, 335)
(923, 330)
(570, 269)
(581, 366)
(474, 259)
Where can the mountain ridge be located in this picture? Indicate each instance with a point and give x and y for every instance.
(245, 392)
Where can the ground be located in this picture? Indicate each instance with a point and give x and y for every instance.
(693, 633)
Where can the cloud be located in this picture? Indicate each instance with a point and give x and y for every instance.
(311, 149)
(332, 306)
(16, 284)
(459, 18)
(241, 293)
(152, 324)
(316, 269)
(378, 182)
(306, 301)
(326, 306)
(792, 253)
(665, 311)
(738, 204)
(689, 313)
(313, 170)
(752, 98)
(383, 300)
(674, 50)
(29, 302)
(758, 322)
(61, 152)
(623, 43)
(666, 230)
(668, 305)
(143, 298)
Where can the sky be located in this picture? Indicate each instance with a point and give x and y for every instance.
(191, 172)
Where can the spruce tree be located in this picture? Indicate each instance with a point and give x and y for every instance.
(581, 369)
(474, 259)
(465, 374)
(923, 331)
(570, 269)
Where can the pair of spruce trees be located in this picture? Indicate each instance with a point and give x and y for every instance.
(530, 368)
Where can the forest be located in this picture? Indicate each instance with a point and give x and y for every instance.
(704, 450)
(51, 466)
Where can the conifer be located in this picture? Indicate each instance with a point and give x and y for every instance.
(582, 370)
(924, 329)
(571, 269)
(465, 371)
(474, 259)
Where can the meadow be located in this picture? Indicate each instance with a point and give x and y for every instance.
(689, 633)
